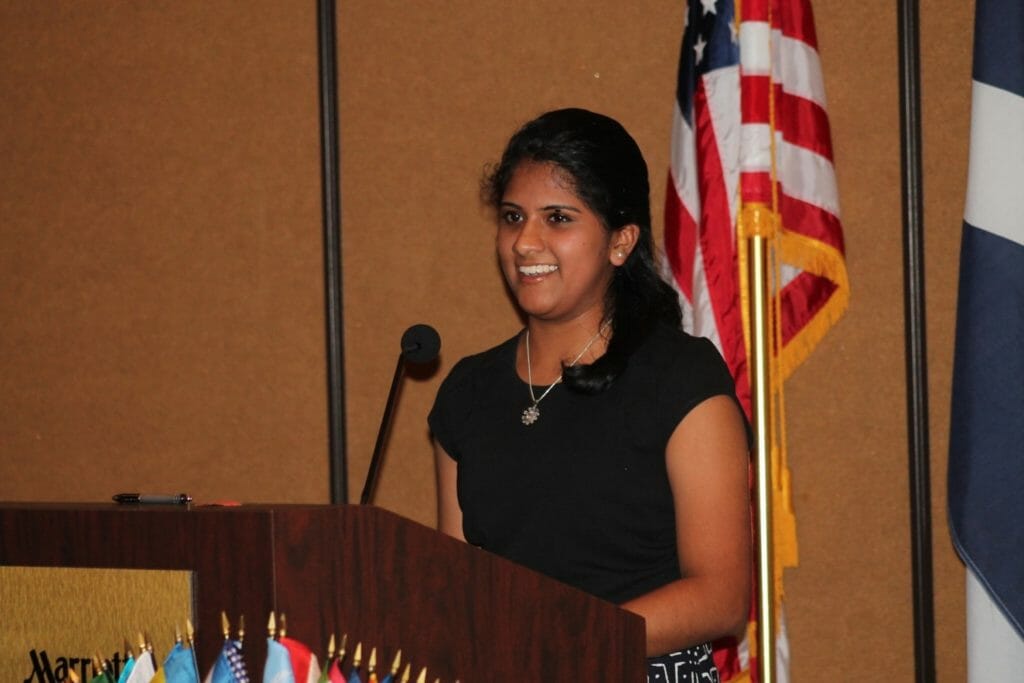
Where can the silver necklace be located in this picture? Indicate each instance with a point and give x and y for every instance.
(532, 413)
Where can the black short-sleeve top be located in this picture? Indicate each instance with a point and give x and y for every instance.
(582, 495)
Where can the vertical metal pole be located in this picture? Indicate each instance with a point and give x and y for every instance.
(916, 350)
(330, 181)
(760, 343)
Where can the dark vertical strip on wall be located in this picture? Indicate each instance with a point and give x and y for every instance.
(916, 349)
(330, 181)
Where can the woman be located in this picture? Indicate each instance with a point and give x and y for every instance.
(601, 445)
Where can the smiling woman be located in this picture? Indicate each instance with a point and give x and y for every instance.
(633, 484)
(556, 254)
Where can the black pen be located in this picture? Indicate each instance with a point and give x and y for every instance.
(149, 499)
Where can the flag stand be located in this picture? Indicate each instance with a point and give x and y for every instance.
(916, 350)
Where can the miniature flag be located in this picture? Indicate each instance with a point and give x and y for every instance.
(102, 677)
(305, 666)
(126, 671)
(144, 670)
(334, 672)
(180, 665)
(278, 668)
(397, 662)
(230, 666)
(357, 657)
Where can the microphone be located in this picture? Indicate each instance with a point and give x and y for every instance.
(420, 344)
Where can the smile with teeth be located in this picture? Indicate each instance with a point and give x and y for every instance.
(540, 269)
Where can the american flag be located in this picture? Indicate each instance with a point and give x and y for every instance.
(752, 154)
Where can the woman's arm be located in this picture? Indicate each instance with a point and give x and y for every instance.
(708, 470)
(449, 514)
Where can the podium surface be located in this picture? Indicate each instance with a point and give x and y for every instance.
(383, 580)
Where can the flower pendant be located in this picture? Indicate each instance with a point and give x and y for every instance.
(530, 415)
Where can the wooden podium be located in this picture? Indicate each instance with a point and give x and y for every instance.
(386, 581)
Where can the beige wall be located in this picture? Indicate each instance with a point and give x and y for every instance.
(160, 269)
(160, 227)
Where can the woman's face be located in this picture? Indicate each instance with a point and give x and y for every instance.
(554, 251)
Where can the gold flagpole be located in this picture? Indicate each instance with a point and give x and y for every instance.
(759, 224)
(755, 231)
(761, 404)
(762, 243)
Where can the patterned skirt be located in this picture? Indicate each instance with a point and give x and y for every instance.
(693, 665)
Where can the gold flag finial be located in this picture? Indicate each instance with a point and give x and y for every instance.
(422, 678)
(177, 633)
(149, 648)
(330, 649)
(283, 631)
(100, 665)
(405, 672)
(142, 642)
(358, 656)
(344, 642)
(271, 626)
(241, 628)
(225, 625)
(73, 676)
(128, 651)
(372, 666)
(190, 632)
(396, 663)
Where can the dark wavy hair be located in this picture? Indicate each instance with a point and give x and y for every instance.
(608, 173)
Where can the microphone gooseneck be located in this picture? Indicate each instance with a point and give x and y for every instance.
(420, 344)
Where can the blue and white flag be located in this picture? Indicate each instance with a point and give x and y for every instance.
(986, 445)
(278, 668)
(144, 669)
(229, 666)
(180, 665)
(126, 670)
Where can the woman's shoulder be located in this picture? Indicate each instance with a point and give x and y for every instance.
(676, 361)
(678, 371)
(460, 392)
(483, 362)
(670, 344)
